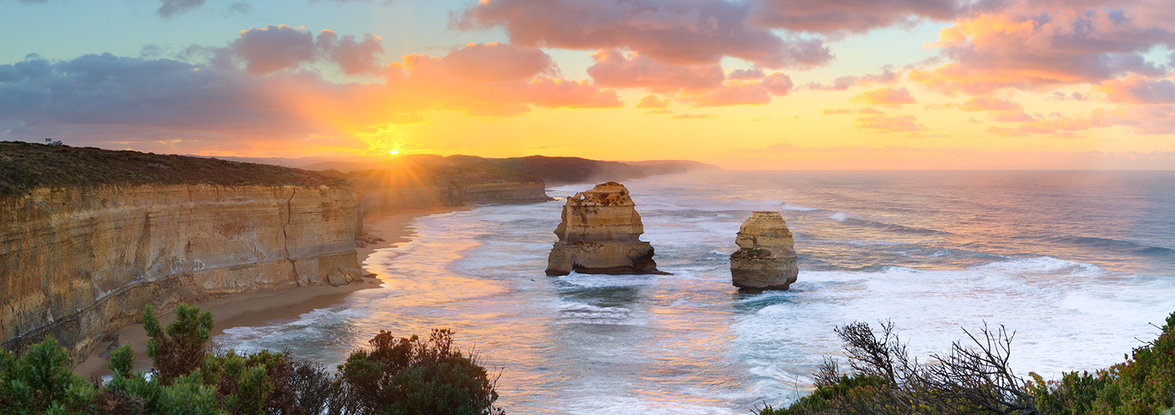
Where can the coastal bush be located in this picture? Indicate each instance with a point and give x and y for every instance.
(411, 376)
(1144, 384)
(405, 376)
(974, 378)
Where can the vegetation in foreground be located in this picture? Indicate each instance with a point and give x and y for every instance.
(404, 376)
(975, 378)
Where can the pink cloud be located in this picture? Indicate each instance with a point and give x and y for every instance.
(888, 76)
(836, 111)
(885, 124)
(886, 96)
(744, 92)
(1033, 45)
(983, 103)
(850, 16)
(1012, 116)
(651, 101)
(1138, 90)
(619, 70)
(496, 62)
(683, 32)
(734, 93)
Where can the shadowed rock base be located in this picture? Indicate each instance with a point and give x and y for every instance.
(763, 273)
(601, 258)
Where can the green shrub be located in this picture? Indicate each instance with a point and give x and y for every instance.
(1144, 384)
(409, 376)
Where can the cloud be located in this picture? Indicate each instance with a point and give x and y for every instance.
(692, 116)
(1138, 90)
(620, 70)
(888, 76)
(734, 93)
(682, 32)
(744, 92)
(1012, 116)
(274, 47)
(280, 47)
(171, 8)
(651, 101)
(884, 124)
(831, 111)
(869, 110)
(849, 16)
(746, 74)
(885, 96)
(136, 100)
(1032, 45)
(983, 103)
(353, 57)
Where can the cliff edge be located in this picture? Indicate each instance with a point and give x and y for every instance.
(88, 236)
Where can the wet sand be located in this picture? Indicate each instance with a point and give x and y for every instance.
(269, 307)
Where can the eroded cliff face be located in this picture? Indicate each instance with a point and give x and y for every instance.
(78, 262)
(766, 259)
(600, 234)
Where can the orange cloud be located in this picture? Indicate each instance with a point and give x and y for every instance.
(885, 124)
(631, 70)
(692, 116)
(983, 103)
(651, 101)
(1139, 90)
(699, 32)
(885, 96)
(744, 92)
(1031, 46)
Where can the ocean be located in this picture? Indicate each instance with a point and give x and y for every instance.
(1078, 264)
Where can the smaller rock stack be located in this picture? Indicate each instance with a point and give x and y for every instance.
(766, 259)
(600, 234)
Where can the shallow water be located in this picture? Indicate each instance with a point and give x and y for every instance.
(1078, 264)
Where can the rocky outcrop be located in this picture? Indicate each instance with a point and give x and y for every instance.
(766, 259)
(600, 234)
(77, 262)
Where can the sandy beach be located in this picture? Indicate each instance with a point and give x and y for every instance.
(266, 307)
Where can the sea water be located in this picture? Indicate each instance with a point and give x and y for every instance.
(1078, 264)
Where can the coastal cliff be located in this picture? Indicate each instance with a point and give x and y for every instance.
(420, 182)
(95, 235)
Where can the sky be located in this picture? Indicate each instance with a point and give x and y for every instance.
(745, 84)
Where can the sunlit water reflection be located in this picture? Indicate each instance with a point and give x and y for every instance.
(1077, 263)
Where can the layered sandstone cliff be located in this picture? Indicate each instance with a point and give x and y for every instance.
(81, 255)
(766, 259)
(600, 234)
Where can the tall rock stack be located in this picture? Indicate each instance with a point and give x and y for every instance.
(766, 259)
(600, 234)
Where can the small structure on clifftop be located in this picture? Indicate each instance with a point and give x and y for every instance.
(600, 234)
(766, 259)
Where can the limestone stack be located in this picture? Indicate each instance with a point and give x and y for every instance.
(600, 234)
(766, 259)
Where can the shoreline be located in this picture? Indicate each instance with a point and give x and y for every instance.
(382, 230)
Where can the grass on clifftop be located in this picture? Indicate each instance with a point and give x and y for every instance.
(26, 166)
